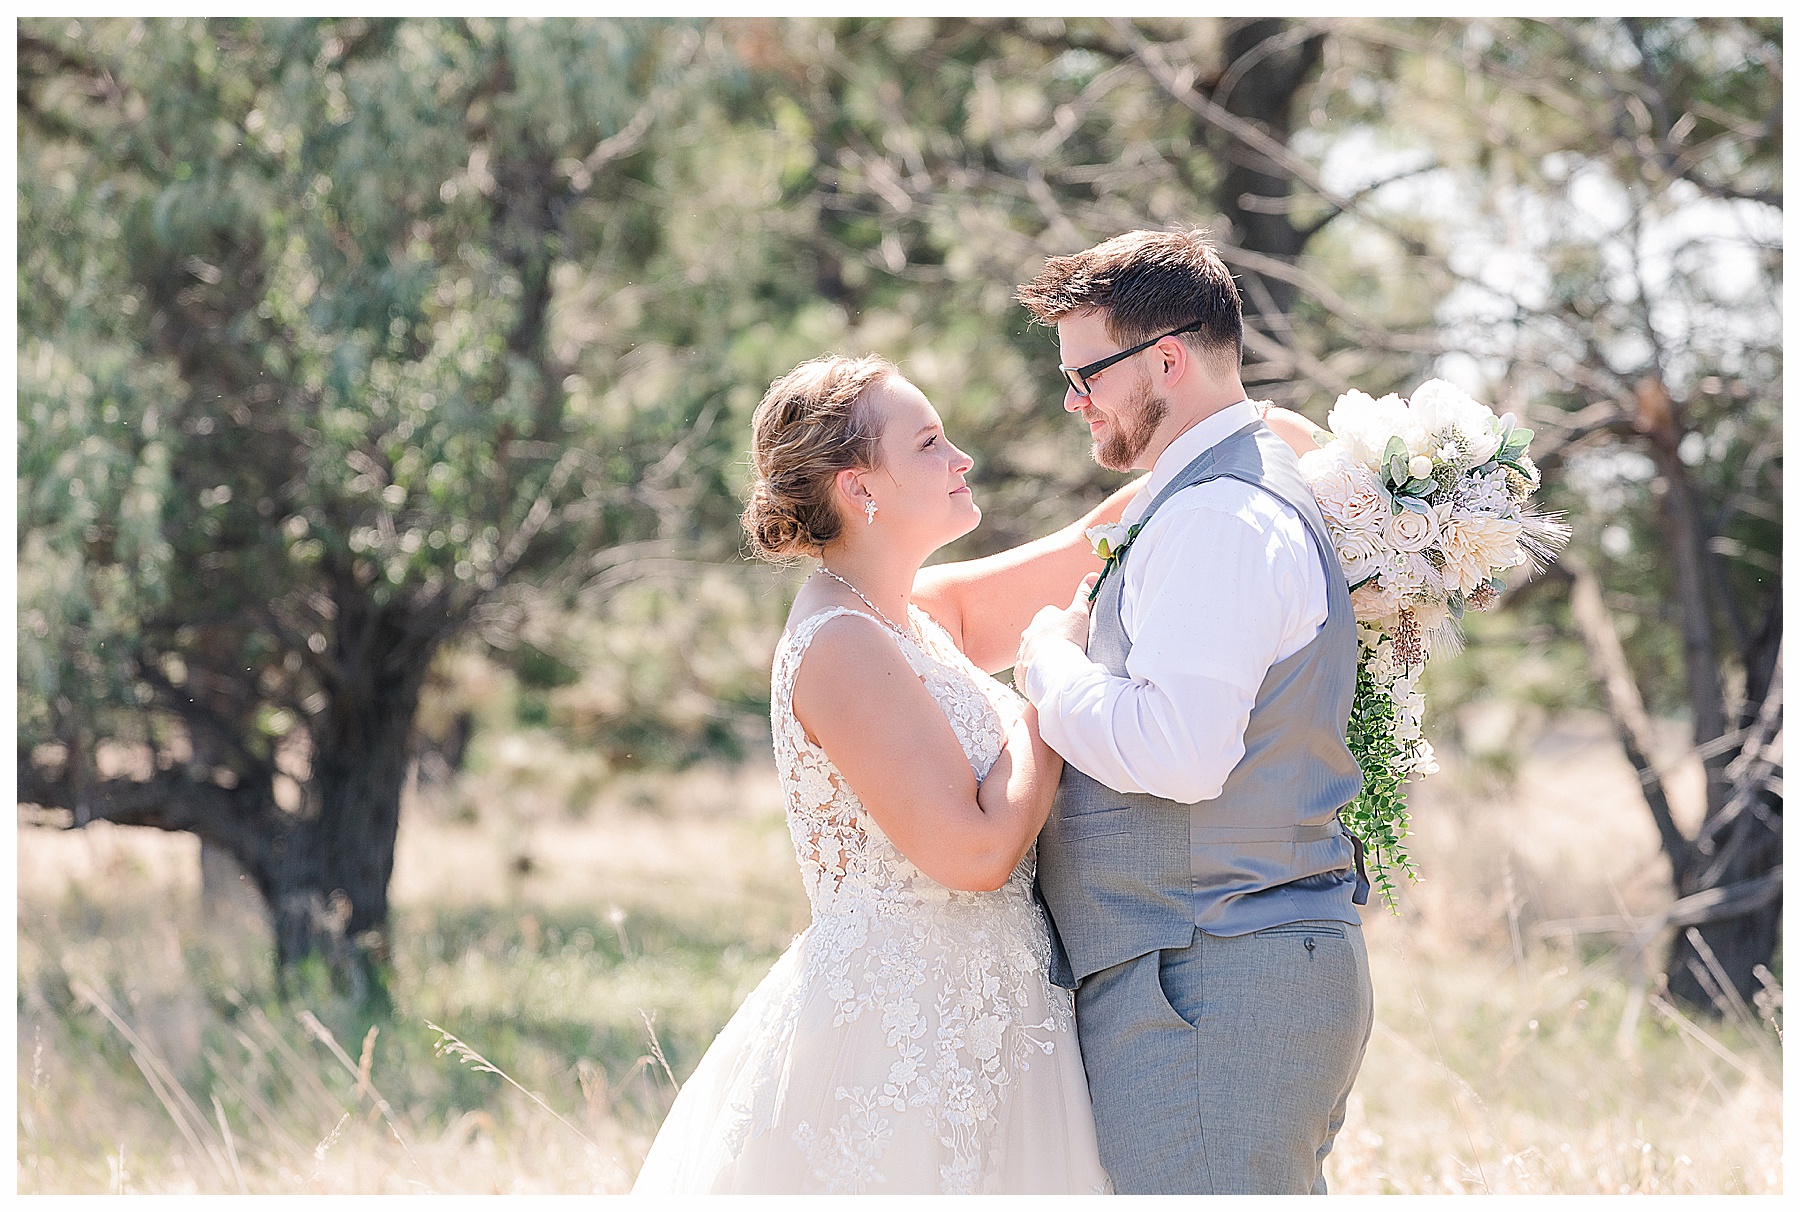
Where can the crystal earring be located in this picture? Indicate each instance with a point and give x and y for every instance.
(869, 510)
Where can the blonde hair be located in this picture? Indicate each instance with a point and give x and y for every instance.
(812, 424)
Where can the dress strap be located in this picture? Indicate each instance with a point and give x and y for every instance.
(797, 640)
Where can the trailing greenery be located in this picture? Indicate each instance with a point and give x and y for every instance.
(1377, 817)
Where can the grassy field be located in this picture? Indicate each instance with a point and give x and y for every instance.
(577, 930)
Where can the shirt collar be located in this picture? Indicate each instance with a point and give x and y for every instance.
(1202, 436)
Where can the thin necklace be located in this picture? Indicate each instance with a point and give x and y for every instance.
(872, 606)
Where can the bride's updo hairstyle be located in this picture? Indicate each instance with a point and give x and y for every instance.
(813, 423)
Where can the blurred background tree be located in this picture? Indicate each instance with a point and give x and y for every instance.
(341, 339)
(295, 410)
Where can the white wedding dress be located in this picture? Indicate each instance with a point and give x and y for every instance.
(909, 1040)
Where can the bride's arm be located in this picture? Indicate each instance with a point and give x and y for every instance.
(862, 703)
(985, 604)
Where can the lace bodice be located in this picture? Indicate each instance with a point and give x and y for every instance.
(844, 856)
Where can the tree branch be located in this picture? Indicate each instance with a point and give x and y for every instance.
(1624, 703)
(232, 818)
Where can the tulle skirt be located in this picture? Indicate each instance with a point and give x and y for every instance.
(890, 1061)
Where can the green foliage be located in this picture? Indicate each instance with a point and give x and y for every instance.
(289, 347)
(1377, 817)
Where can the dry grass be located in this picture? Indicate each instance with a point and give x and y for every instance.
(153, 1057)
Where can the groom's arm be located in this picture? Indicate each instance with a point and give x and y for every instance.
(985, 604)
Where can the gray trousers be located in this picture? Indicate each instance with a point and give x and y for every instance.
(1224, 1067)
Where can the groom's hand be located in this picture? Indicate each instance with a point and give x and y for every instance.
(1050, 623)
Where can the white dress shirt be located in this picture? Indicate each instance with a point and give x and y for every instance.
(1221, 584)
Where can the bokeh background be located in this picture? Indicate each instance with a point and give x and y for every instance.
(396, 811)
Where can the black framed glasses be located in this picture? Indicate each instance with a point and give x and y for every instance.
(1078, 376)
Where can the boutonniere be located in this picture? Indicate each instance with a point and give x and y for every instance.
(1111, 541)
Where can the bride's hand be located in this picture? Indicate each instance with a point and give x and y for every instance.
(1069, 623)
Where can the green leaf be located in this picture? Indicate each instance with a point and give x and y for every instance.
(1396, 449)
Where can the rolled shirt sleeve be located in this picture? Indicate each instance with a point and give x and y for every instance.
(1217, 590)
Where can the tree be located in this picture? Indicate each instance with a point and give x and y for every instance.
(1643, 184)
(294, 412)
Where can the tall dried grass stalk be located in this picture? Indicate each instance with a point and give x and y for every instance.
(449, 1044)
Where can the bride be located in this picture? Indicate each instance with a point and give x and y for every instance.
(909, 1040)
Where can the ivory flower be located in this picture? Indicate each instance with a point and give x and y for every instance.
(1361, 552)
(1377, 603)
(1364, 424)
(1474, 547)
(1446, 410)
(1108, 537)
(1349, 493)
(1412, 530)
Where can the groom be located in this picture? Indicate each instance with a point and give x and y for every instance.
(1194, 866)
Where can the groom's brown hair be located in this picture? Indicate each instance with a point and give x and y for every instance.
(1146, 283)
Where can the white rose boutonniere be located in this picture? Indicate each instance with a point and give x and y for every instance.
(1111, 540)
(1109, 537)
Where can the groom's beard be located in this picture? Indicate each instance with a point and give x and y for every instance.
(1132, 430)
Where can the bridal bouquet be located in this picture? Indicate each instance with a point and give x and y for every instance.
(1428, 501)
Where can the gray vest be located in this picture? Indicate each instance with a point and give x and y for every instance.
(1124, 875)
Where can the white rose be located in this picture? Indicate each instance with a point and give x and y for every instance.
(1412, 530)
(1108, 537)
(1361, 553)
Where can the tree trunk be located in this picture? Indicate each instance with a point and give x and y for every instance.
(1712, 966)
(1686, 542)
(1265, 70)
(1712, 963)
(327, 885)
